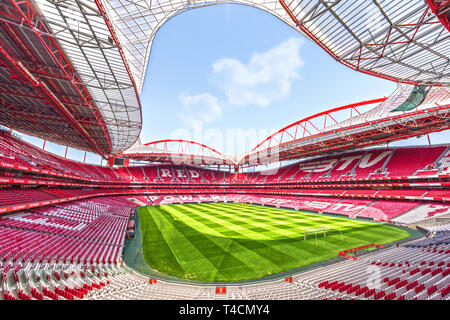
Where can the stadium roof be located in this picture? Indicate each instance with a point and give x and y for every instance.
(399, 40)
(67, 77)
(406, 113)
(177, 151)
(72, 70)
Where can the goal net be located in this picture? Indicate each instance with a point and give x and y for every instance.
(319, 231)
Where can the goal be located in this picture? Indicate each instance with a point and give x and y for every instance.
(319, 231)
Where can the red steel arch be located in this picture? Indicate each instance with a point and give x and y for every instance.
(441, 8)
(180, 144)
(178, 151)
(303, 123)
(349, 136)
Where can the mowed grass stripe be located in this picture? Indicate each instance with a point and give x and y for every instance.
(362, 225)
(223, 224)
(225, 235)
(220, 247)
(182, 248)
(298, 222)
(244, 224)
(310, 246)
(313, 218)
(268, 211)
(278, 252)
(247, 257)
(207, 223)
(157, 252)
(259, 219)
(256, 214)
(299, 247)
(190, 262)
(265, 248)
(278, 213)
(272, 214)
(285, 252)
(246, 251)
(228, 225)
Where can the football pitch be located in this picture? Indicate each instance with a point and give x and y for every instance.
(231, 241)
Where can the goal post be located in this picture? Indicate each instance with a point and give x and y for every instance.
(320, 231)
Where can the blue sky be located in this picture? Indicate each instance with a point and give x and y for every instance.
(231, 67)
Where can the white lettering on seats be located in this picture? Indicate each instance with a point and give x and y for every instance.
(166, 173)
(318, 166)
(181, 173)
(194, 174)
(347, 161)
(274, 201)
(365, 161)
(318, 205)
(346, 207)
(168, 198)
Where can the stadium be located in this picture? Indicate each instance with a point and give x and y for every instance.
(322, 209)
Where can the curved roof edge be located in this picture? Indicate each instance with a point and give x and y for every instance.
(401, 41)
(89, 40)
(177, 151)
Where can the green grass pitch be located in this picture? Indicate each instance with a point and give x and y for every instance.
(231, 241)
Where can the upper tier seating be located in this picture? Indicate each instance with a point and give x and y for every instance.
(372, 163)
(406, 161)
(401, 192)
(438, 193)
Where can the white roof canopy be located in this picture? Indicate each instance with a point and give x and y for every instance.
(400, 40)
(109, 43)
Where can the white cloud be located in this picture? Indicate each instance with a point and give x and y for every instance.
(265, 78)
(199, 109)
